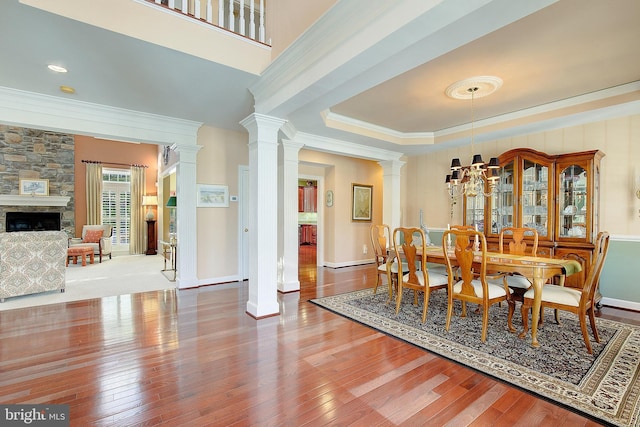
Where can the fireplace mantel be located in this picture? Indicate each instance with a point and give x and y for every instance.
(17, 200)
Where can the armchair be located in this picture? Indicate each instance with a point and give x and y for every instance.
(580, 302)
(101, 243)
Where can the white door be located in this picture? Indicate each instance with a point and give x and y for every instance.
(243, 251)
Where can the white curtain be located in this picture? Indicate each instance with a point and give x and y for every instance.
(137, 241)
(93, 181)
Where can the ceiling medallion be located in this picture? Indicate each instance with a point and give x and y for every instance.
(485, 85)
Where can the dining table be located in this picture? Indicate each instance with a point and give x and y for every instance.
(535, 268)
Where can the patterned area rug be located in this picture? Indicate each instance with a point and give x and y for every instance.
(605, 385)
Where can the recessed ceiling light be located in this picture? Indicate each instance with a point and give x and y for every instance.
(67, 89)
(57, 68)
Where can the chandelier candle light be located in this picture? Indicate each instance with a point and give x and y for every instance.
(470, 180)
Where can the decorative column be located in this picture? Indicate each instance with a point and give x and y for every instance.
(263, 214)
(391, 192)
(186, 250)
(288, 261)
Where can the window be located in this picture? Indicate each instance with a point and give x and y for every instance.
(116, 205)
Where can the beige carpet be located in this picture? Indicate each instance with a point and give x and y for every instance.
(124, 274)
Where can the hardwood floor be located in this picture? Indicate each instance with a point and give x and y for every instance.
(194, 358)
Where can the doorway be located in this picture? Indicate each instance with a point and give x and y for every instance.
(310, 241)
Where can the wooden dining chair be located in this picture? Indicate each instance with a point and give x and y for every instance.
(386, 266)
(512, 241)
(473, 286)
(578, 301)
(418, 277)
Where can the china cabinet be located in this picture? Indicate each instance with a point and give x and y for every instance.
(558, 195)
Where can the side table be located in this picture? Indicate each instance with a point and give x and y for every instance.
(170, 253)
(151, 237)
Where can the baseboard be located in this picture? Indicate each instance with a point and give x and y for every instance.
(218, 280)
(348, 263)
(618, 303)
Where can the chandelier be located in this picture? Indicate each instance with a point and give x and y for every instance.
(470, 180)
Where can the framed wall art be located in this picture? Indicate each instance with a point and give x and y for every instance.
(361, 205)
(34, 187)
(212, 196)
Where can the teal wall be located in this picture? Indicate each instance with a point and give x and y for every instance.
(618, 278)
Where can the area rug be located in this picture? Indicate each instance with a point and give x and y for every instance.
(604, 386)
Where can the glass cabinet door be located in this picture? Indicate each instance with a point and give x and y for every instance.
(502, 201)
(572, 202)
(474, 211)
(535, 197)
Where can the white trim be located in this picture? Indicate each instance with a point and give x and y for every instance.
(618, 303)
(336, 146)
(243, 202)
(28, 109)
(16, 200)
(348, 124)
(349, 263)
(216, 280)
(624, 238)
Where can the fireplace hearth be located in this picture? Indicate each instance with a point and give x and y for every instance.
(32, 221)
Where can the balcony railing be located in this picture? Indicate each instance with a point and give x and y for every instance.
(239, 16)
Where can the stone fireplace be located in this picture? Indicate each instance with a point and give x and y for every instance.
(36, 154)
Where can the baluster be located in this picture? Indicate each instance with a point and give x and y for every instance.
(232, 24)
(209, 12)
(262, 21)
(196, 9)
(252, 20)
(158, 1)
(241, 28)
(172, 4)
(221, 13)
(185, 6)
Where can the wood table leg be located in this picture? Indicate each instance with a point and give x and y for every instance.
(538, 282)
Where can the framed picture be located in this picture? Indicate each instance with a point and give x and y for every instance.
(212, 196)
(34, 187)
(361, 202)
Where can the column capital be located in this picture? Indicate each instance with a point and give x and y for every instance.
(257, 124)
(291, 147)
(187, 152)
(391, 166)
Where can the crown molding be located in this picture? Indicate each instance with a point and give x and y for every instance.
(335, 146)
(536, 119)
(28, 109)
